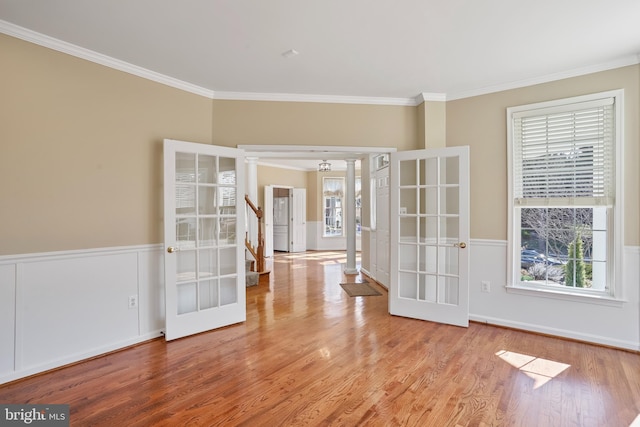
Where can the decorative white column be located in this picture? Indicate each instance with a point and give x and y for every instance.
(350, 217)
(252, 192)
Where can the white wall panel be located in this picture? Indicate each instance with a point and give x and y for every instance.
(316, 242)
(74, 305)
(7, 317)
(151, 290)
(68, 306)
(62, 307)
(614, 325)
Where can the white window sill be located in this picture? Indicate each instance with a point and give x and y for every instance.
(567, 296)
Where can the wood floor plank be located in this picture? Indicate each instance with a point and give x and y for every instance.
(310, 355)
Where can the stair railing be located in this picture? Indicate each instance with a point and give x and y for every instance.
(256, 251)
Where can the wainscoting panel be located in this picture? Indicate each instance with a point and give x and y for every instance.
(7, 317)
(59, 308)
(316, 242)
(63, 307)
(617, 326)
(151, 291)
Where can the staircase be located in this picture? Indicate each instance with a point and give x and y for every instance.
(255, 267)
(252, 278)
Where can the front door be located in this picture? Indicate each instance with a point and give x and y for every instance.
(429, 192)
(203, 231)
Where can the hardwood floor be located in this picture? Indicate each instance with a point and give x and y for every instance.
(308, 354)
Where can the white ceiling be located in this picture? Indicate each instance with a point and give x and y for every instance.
(359, 48)
(386, 51)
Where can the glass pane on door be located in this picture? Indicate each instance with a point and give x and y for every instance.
(205, 219)
(206, 169)
(429, 198)
(429, 190)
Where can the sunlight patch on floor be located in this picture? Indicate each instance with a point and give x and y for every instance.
(541, 371)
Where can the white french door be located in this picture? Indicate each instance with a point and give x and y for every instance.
(268, 220)
(298, 217)
(204, 227)
(429, 199)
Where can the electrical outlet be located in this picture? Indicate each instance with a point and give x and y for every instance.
(485, 286)
(133, 301)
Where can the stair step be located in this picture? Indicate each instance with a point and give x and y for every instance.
(251, 278)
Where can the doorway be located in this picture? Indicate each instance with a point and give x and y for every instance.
(281, 219)
(285, 219)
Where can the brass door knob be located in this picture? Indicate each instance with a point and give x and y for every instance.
(461, 245)
(171, 249)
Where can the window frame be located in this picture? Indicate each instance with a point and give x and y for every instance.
(613, 293)
(357, 206)
(334, 208)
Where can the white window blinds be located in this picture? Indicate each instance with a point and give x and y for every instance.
(332, 187)
(565, 155)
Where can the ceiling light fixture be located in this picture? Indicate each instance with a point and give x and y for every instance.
(290, 53)
(324, 166)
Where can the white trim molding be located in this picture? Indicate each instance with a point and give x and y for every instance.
(576, 72)
(99, 58)
(429, 97)
(558, 332)
(327, 99)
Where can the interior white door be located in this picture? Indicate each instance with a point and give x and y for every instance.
(204, 227)
(298, 209)
(429, 192)
(268, 220)
(382, 227)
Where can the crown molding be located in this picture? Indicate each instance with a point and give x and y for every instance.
(98, 58)
(576, 72)
(430, 97)
(327, 99)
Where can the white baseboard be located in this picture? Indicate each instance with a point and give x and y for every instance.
(616, 326)
(78, 357)
(562, 333)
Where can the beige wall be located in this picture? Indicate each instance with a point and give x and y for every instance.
(314, 194)
(81, 150)
(480, 122)
(81, 145)
(435, 124)
(269, 175)
(298, 123)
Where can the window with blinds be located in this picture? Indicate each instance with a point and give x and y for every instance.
(564, 166)
(332, 195)
(333, 192)
(565, 155)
